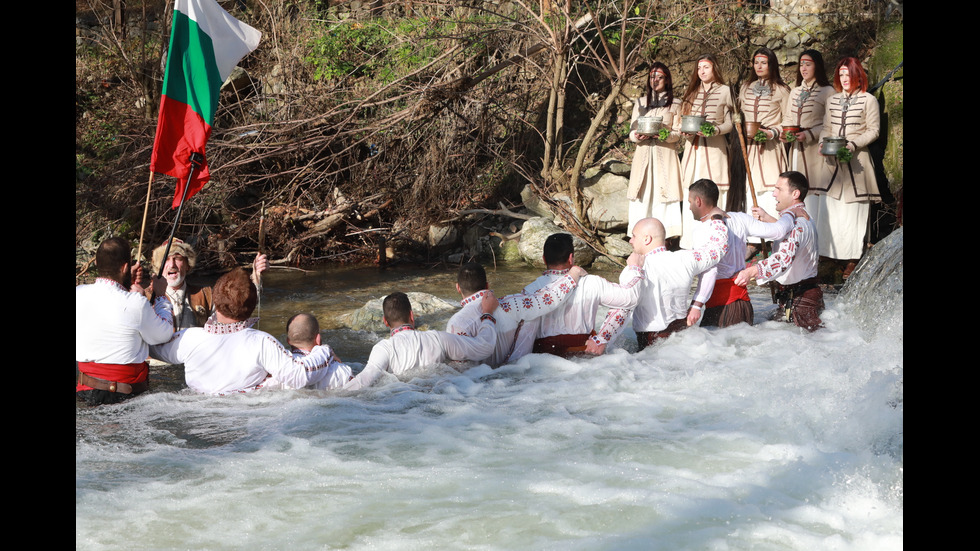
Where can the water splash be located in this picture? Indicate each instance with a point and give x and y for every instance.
(874, 294)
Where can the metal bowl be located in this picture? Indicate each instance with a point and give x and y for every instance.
(649, 126)
(691, 124)
(830, 146)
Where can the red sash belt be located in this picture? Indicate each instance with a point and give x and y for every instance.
(120, 377)
(726, 292)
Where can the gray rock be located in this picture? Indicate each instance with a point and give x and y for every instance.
(534, 203)
(536, 231)
(617, 245)
(608, 210)
(443, 236)
(616, 166)
(592, 172)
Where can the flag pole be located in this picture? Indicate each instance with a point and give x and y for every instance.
(146, 210)
(196, 161)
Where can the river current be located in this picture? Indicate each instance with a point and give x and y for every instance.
(763, 438)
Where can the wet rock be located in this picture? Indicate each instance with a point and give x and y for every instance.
(875, 292)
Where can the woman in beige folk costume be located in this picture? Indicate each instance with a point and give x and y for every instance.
(804, 110)
(847, 189)
(761, 100)
(655, 177)
(706, 154)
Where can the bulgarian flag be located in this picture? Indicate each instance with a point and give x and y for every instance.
(206, 43)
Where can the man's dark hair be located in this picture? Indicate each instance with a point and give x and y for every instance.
(112, 255)
(396, 308)
(706, 190)
(471, 278)
(797, 181)
(235, 295)
(557, 248)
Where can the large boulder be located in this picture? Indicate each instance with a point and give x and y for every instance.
(535, 231)
(441, 237)
(618, 245)
(609, 209)
(605, 193)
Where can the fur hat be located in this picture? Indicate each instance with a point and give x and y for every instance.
(178, 247)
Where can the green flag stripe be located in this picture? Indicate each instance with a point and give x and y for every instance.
(194, 78)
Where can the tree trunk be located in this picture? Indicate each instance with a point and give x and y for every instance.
(583, 150)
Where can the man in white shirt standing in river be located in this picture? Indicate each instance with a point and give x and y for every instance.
(663, 305)
(114, 328)
(517, 316)
(570, 329)
(793, 265)
(722, 302)
(407, 349)
(303, 335)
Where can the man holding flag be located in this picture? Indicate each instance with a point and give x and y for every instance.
(206, 43)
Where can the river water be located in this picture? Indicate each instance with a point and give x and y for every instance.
(760, 438)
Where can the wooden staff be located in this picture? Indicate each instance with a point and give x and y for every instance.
(146, 210)
(197, 160)
(258, 276)
(737, 119)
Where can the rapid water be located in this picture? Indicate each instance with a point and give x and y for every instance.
(760, 438)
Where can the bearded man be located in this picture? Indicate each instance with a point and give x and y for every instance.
(192, 304)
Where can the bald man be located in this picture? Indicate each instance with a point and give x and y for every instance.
(303, 336)
(663, 305)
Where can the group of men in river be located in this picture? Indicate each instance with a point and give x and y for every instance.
(119, 323)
